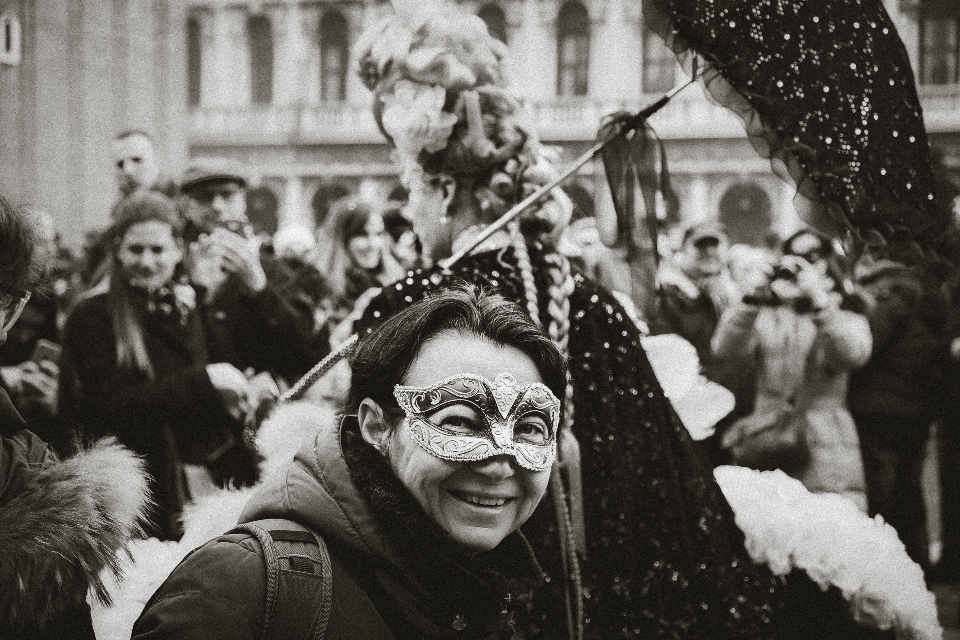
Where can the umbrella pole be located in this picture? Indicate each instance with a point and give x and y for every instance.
(628, 126)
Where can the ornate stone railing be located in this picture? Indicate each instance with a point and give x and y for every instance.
(689, 115)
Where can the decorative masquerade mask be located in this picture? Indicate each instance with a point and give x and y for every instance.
(466, 418)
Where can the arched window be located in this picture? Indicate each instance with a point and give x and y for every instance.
(746, 213)
(10, 43)
(261, 59)
(325, 196)
(262, 206)
(573, 50)
(334, 56)
(939, 22)
(496, 22)
(194, 68)
(582, 201)
(659, 64)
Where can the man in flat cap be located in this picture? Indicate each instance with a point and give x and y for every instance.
(245, 286)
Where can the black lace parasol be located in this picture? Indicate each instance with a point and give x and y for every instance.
(827, 93)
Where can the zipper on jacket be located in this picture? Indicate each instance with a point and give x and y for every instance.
(506, 617)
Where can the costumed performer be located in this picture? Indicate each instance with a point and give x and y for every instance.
(661, 555)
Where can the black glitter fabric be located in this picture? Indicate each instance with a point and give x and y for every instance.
(827, 93)
(664, 556)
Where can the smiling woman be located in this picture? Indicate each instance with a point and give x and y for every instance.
(419, 492)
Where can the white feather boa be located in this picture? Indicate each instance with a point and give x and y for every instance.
(836, 544)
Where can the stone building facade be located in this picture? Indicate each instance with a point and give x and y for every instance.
(272, 83)
(74, 73)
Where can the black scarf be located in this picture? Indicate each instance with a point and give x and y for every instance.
(162, 304)
(472, 586)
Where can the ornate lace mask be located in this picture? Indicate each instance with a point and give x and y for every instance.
(466, 417)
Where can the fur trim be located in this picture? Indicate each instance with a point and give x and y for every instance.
(151, 561)
(65, 529)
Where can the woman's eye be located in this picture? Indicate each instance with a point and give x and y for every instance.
(533, 430)
(459, 419)
(459, 423)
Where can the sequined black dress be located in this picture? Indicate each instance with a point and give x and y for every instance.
(664, 556)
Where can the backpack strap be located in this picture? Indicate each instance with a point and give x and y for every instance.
(299, 580)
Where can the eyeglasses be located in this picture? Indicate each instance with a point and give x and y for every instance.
(11, 305)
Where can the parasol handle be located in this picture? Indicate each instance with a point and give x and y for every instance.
(626, 126)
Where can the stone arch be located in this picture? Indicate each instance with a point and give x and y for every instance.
(325, 195)
(496, 21)
(582, 198)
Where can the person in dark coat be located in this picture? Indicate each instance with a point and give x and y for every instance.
(446, 446)
(141, 362)
(61, 522)
(894, 399)
(248, 293)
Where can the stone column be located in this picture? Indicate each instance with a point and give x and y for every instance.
(696, 204)
(290, 52)
(309, 28)
(614, 54)
(535, 54)
(237, 52)
(292, 210)
(216, 74)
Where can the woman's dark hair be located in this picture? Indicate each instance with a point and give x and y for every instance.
(383, 358)
(140, 206)
(20, 262)
(144, 206)
(349, 218)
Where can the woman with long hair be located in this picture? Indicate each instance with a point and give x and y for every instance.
(136, 362)
(357, 257)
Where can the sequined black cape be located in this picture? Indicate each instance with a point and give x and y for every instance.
(664, 556)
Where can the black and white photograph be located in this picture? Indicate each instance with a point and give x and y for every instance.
(479, 319)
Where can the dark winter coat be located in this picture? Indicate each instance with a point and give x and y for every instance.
(173, 419)
(61, 524)
(396, 574)
(905, 376)
(261, 331)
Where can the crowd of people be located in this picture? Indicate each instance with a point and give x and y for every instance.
(505, 462)
(858, 355)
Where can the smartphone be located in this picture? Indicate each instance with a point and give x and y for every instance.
(45, 350)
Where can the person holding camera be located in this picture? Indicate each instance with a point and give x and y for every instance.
(250, 296)
(801, 332)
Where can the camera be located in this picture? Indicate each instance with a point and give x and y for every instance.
(785, 286)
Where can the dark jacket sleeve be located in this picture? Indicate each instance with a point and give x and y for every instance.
(217, 592)
(21, 454)
(102, 396)
(259, 330)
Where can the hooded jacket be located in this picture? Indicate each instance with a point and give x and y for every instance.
(396, 574)
(62, 524)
